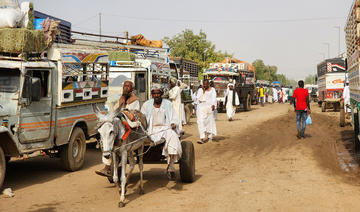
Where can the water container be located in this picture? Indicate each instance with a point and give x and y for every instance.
(37, 23)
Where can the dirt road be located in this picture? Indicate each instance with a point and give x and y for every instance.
(257, 164)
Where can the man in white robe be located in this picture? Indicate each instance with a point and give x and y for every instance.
(128, 101)
(275, 94)
(206, 97)
(182, 86)
(346, 96)
(231, 101)
(175, 97)
(162, 123)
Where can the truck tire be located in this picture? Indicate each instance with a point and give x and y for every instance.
(247, 104)
(187, 162)
(73, 154)
(323, 107)
(356, 133)
(2, 166)
(188, 113)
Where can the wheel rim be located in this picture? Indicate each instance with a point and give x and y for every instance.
(76, 148)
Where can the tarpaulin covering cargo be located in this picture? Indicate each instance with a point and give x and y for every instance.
(18, 40)
(141, 40)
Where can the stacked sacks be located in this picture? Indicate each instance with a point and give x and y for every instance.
(10, 14)
(141, 41)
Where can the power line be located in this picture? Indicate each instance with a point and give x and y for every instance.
(228, 21)
(85, 20)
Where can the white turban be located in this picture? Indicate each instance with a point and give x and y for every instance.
(156, 86)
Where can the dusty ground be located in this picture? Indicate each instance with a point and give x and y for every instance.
(257, 164)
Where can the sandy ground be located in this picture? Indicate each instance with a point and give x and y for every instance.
(257, 164)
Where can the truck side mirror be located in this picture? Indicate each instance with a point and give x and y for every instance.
(35, 89)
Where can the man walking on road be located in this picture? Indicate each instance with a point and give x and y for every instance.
(261, 94)
(175, 97)
(206, 97)
(291, 93)
(231, 101)
(302, 108)
(346, 96)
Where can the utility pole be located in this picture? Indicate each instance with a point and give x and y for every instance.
(328, 45)
(126, 36)
(338, 27)
(100, 26)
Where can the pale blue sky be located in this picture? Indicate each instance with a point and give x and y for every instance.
(286, 33)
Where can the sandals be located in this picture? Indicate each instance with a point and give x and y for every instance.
(202, 141)
(170, 171)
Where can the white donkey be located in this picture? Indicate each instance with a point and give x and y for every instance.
(112, 128)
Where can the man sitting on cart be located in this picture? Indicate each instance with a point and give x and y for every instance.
(128, 101)
(162, 125)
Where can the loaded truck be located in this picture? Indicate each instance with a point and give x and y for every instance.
(352, 36)
(238, 73)
(331, 79)
(46, 103)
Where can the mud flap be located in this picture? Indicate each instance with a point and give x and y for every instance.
(8, 142)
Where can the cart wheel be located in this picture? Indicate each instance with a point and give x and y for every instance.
(187, 162)
(323, 107)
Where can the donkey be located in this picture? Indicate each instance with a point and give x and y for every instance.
(113, 129)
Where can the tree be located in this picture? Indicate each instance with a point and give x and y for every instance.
(265, 72)
(310, 79)
(269, 73)
(195, 47)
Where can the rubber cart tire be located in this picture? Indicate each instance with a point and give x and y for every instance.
(187, 162)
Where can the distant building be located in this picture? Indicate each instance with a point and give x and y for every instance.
(65, 27)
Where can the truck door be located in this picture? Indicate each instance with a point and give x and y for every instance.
(140, 86)
(35, 118)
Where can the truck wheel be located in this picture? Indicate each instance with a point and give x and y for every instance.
(187, 162)
(73, 153)
(2, 166)
(323, 107)
(247, 104)
(188, 113)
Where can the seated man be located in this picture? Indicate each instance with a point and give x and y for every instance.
(129, 101)
(162, 123)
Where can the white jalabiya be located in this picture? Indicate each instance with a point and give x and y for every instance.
(182, 87)
(285, 96)
(230, 108)
(133, 106)
(159, 126)
(346, 96)
(206, 117)
(275, 95)
(175, 97)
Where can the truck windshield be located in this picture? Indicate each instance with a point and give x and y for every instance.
(9, 80)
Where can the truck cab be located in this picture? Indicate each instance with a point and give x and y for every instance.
(46, 103)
